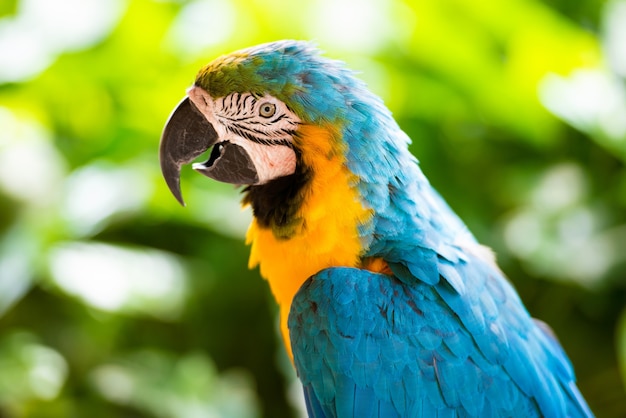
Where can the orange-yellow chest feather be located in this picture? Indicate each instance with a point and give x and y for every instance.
(328, 237)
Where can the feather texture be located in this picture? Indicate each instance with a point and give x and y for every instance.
(369, 345)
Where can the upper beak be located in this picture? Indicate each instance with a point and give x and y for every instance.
(186, 135)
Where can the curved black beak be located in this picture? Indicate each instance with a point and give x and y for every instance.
(186, 135)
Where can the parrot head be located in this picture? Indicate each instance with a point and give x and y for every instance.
(248, 107)
(252, 108)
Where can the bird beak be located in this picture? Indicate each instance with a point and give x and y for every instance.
(188, 134)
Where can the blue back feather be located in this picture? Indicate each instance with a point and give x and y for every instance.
(368, 345)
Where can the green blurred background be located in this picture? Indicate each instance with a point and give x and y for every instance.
(117, 302)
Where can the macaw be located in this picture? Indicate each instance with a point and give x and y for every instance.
(389, 307)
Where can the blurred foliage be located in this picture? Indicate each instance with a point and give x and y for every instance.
(114, 301)
(8, 7)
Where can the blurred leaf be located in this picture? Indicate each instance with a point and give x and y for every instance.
(29, 371)
(8, 7)
(42, 29)
(621, 345)
(122, 192)
(592, 101)
(17, 265)
(185, 387)
(114, 278)
(614, 25)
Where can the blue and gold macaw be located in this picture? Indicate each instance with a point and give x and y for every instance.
(389, 307)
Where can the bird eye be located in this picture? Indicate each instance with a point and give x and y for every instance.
(267, 110)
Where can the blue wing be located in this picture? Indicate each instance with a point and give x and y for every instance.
(374, 345)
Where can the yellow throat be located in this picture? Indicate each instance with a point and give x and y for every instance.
(328, 237)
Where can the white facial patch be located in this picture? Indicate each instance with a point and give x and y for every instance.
(270, 161)
(263, 126)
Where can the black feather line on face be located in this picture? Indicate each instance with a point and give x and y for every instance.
(278, 118)
(249, 135)
(233, 120)
(276, 204)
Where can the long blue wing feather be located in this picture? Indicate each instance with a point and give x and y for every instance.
(371, 345)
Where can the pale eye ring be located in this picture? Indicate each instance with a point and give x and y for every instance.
(267, 109)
